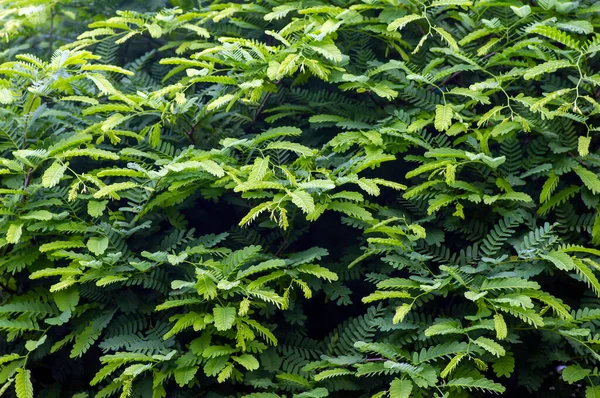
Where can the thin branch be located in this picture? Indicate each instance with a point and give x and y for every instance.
(456, 74)
(260, 109)
(190, 132)
(27, 182)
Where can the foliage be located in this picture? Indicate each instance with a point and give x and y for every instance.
(299, 199)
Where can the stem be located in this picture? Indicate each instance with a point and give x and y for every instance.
(260, 109)
(190, 132)
(26, 183)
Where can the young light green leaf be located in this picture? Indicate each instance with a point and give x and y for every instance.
(96, 208)
(490, 345)
(589, 179)
(443, 117)
(23, 384)
(53, 174)
(500, 327)
(574, 373)
(224, 317)
(583, 145)
(97, 245)
(400, 388)
(400, 23)
(13, 235)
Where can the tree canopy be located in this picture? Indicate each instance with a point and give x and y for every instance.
(307, 199)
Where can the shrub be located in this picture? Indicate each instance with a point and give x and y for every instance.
(309, 199)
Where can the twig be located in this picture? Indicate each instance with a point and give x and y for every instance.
(28, 178)
(283, 244)
(26, 183)
(446, 80)
(190, 132)
(260, 109)
(455, 74)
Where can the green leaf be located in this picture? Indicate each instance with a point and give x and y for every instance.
(589, 179)
(583, 145)
(248, 361)
(444, 327)
(461, 3)
(504, 366)
(13, 235)
(183, 375)
(154, 135)
(219, 102)
(292, 146)
(351, 209)
(561, 260)
(546, 67)
(328, 49)
(32, 345)
(369, 186)
(111, 190)
(522, 11)
(23, 385)
(554, 34)
(401, 313)
(96, 208)
(40, 215)
(447, 38)
(97, 245)
(381, 295)
(399, 23)
(500, 327)
(224, 317)
(54, 173)
(470, 383)
(259, 169)
(212, 167)
(490, 346)
(581, 27)
(592, 392)
(451, 366)
(443, 117)
(588, 274)
(574, 373)
(400, 388)
(508, 283)
(331, 373)
(303, 200)
(318, 271)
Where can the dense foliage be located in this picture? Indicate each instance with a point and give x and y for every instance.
(344, 198)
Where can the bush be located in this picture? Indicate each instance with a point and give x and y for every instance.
(299, 199)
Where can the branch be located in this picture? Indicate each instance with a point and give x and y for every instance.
(456, 74)
(27, 182)
(260, 109)
(190, 132)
